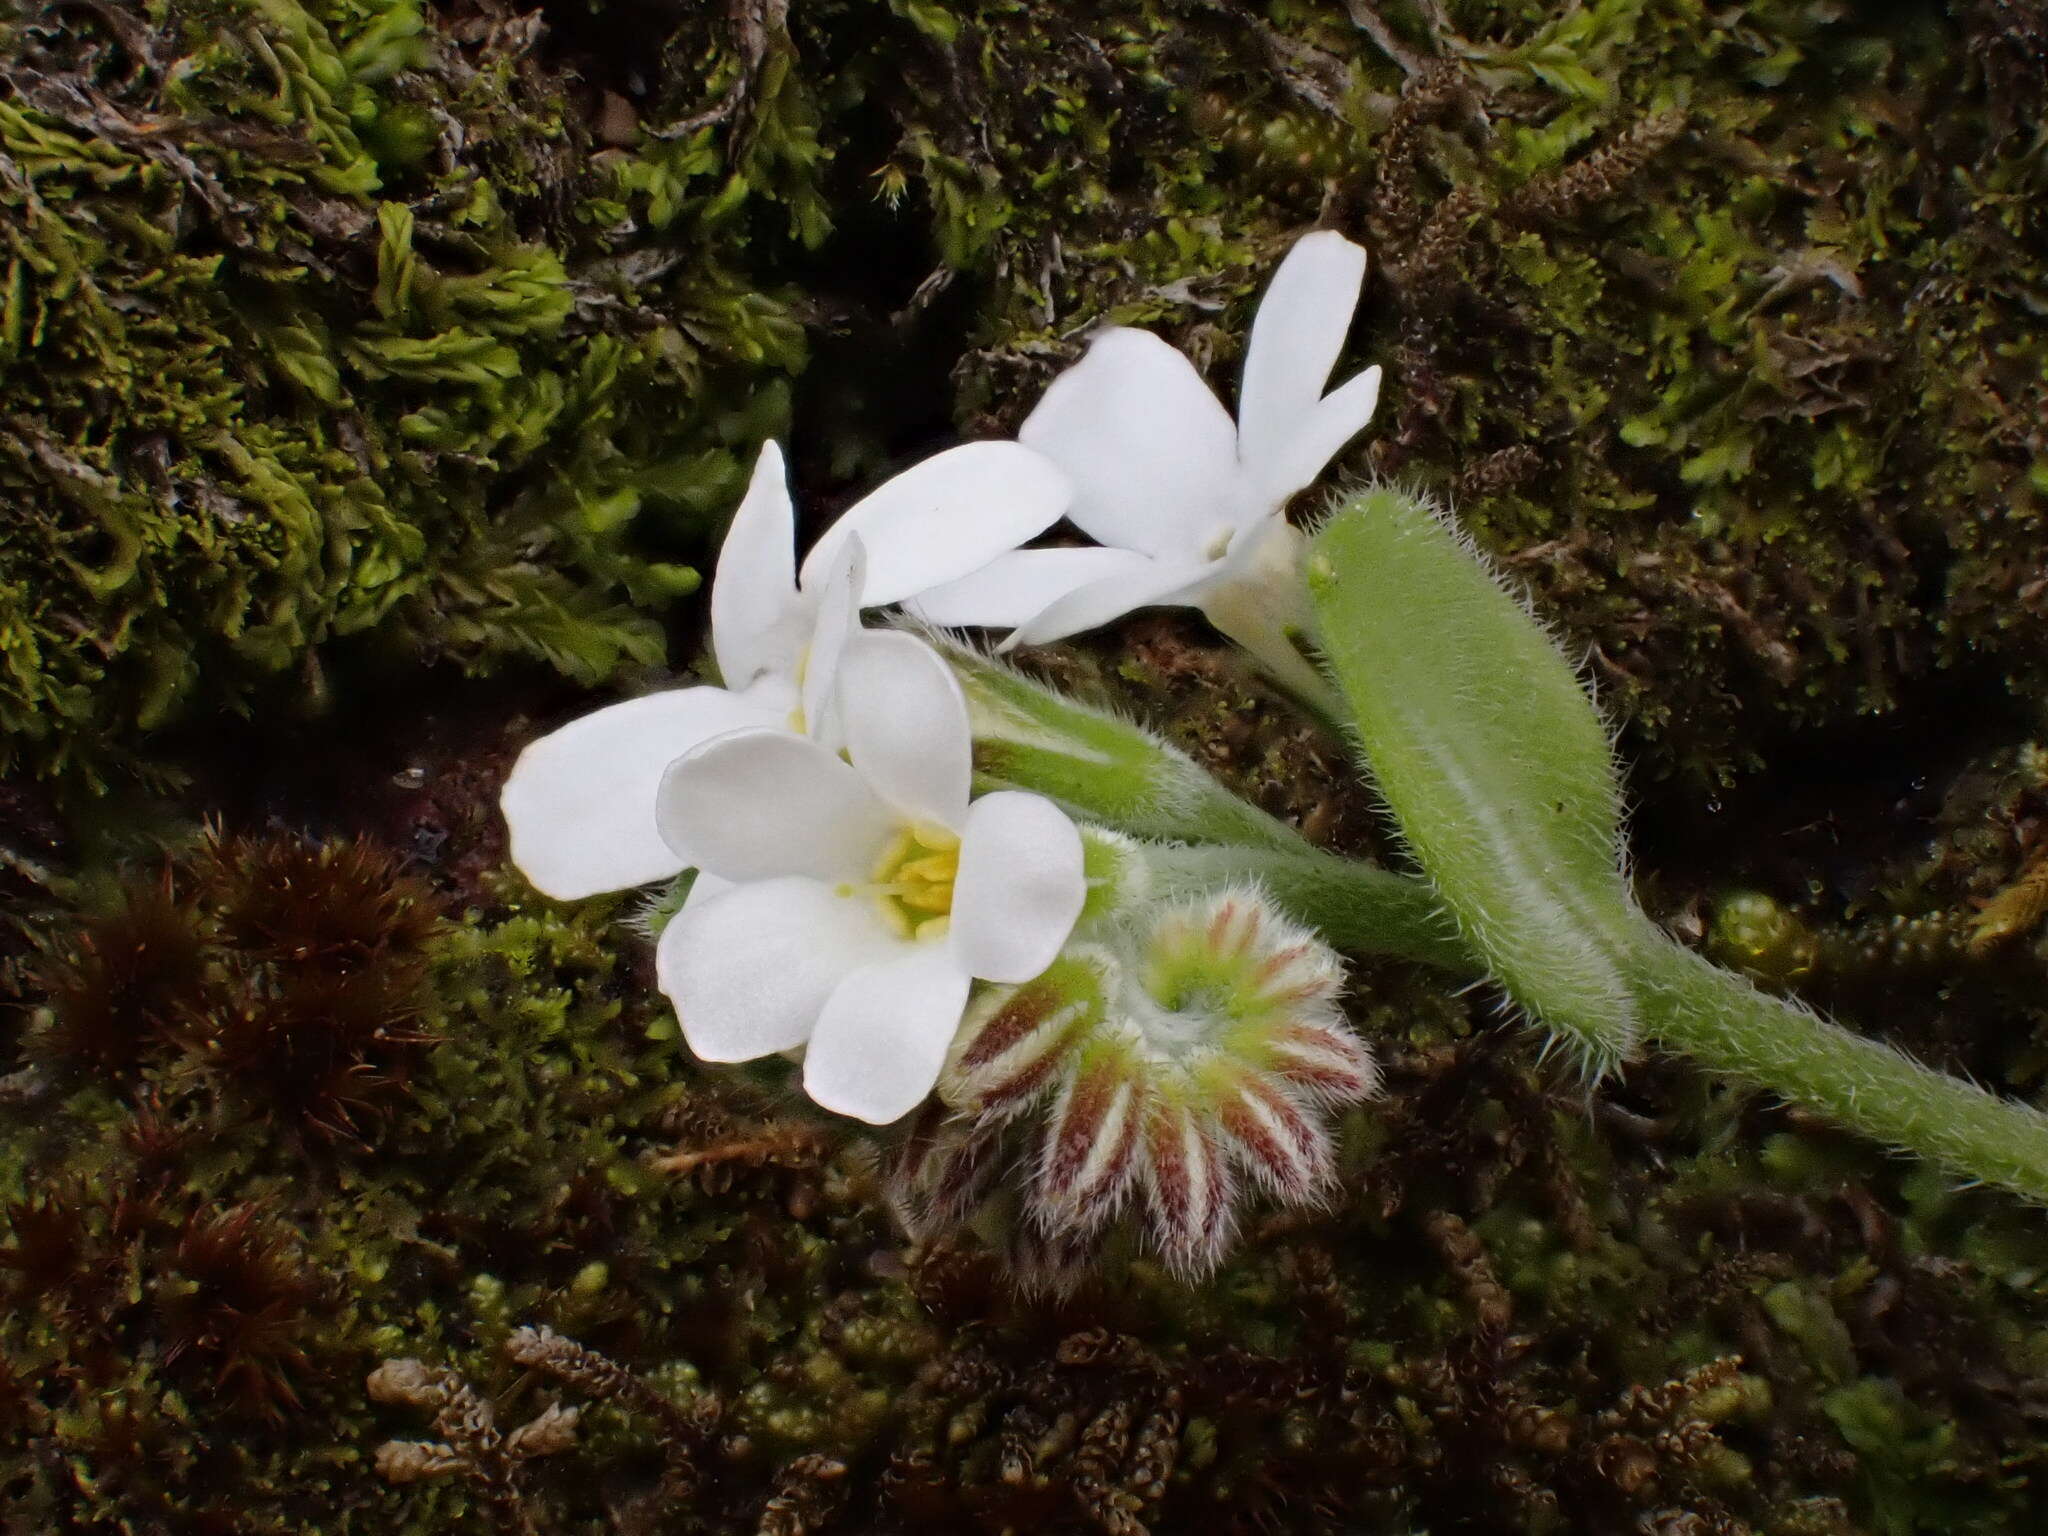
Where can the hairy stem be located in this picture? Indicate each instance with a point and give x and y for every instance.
(1722, 1022)
(1266, 611)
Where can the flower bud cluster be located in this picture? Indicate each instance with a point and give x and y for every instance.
(1187, 1058)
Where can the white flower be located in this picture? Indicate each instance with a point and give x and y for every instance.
(847, 906)
(580, 801)
(1186, 504)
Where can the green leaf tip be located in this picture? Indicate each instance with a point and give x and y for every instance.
(1491, 757)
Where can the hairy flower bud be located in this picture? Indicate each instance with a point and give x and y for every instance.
(1186, 1061)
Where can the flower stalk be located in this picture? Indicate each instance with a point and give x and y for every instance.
(1098, 765)
(1358, 907)
(1200, 836)
(1725, 1024)
(1267, 612)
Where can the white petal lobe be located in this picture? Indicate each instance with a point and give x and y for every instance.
(1163, 581)
(1318, 437)
(703, 887)
(1013, 588)
(906, 725)
(757, 805)
(1296, 338)
(1019, 889)
(883, 1035)
(946, 517)
(580, 802)
(836, 620)
(754, 612)
(1148, 447)
(750, 969)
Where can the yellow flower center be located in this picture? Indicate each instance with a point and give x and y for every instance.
(913, 880)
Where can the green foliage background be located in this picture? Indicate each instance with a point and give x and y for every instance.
(351, 348)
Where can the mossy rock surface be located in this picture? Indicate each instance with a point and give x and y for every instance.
(329, 325)
(352, 350)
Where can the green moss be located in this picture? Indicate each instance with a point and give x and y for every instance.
(393, 344)
(1507, 1284)
(304, 371)
(1758, 399)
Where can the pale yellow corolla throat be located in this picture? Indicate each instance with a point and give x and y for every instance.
(912, 881)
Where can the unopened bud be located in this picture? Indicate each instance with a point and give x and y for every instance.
(1192, 1053)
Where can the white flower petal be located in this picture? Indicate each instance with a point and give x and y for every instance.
(837, 622)
(1265, 557)
(1319, 436)
(1164, 581)
(883, 1035)
(948, 516)
(1019, 889)
(750, 969)
(1296, 337)
(906, 725)
(1150, 451)
(580, 801)
(754, 805)
(755, 619)
(1013, 588)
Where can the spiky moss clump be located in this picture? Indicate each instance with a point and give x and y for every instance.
(287, 979)
(321, 320)
(195, 1292)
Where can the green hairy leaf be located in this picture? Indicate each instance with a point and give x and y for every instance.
(1499, 772)
(1491, 758)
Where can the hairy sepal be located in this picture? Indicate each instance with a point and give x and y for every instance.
(1097, 765)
